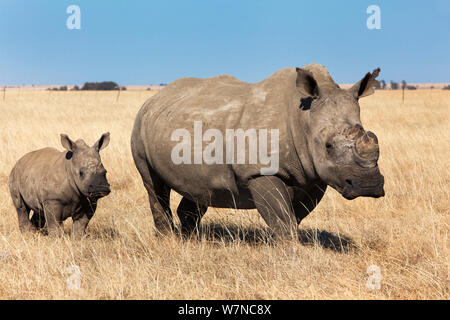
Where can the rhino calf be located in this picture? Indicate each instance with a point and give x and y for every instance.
(58, 185)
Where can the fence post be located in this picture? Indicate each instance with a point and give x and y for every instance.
(118, 94)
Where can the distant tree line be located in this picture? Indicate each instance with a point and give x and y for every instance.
(62, 88)
(105, 85)
(395, 85)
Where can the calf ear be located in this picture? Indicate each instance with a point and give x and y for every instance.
(67, 143)
(366, 86)
(307, 84)
(102, 142)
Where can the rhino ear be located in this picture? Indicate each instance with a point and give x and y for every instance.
(366, 86)
(102, 142)
(67, 143)
(307, 84)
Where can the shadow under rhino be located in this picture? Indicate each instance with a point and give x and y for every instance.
(229, 234)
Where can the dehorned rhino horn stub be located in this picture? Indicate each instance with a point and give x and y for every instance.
(367, 146)
(354, 132)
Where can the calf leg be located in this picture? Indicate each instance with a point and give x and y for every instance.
(23, 213)
(190, 214)
(79, 225)
(24, 222)
(273, 201)
(53, 216)
(82, 218)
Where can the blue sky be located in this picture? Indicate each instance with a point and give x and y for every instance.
(148, 42)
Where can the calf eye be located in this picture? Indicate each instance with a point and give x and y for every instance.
(81, 173)
(328, 145)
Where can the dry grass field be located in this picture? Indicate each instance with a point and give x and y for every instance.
(405, 233)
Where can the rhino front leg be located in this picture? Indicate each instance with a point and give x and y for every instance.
(79, 226)
(53, 215)
(305, 200)
(273, 201)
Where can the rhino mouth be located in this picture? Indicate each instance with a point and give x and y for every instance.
(99, 193)
(352, 190)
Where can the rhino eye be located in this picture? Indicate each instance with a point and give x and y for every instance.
(328, 145)
(81, 173)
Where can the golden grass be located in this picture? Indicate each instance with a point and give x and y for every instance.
(405, 233)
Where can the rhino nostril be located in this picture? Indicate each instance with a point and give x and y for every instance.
(349, 182)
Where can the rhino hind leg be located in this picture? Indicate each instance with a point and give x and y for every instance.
(190, 214)
(158, 195)
(159, 198)
(23, 213)
(273, 201)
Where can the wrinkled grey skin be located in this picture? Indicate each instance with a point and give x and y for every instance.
(58, 185)
(322, 142)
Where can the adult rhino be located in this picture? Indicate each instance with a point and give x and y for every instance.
(321, 143)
